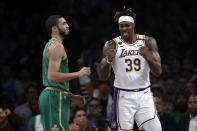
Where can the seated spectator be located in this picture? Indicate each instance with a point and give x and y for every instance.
(34, 124)
(8, 120)
(181, 84)
(80, 121)
(170, 87)
(24, 110)
(169, 105)
(168, 123)
(95, 116)
(189, 123)
(34, 107)
(189, 88)
(103, 92)
(180, 107)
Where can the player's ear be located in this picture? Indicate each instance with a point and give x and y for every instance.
(54, 28)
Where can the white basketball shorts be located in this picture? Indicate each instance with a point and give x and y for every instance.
(130, 105)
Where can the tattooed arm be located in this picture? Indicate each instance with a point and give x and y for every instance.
(109, 53)
(151, 54)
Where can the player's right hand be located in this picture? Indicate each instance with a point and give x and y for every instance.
(78, 100)
(110, 54)
(85, 71)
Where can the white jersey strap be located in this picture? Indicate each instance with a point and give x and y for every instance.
(117, 40)
(140, 37)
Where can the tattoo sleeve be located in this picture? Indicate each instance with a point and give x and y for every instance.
(154, 60)
(105, 67)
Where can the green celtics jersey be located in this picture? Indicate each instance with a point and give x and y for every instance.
(63, 69)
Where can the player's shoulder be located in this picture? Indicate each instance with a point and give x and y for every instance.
(150, 42)
(55, 45)
(146, 37)
(55, 49)
(110, 43)
(143, 37)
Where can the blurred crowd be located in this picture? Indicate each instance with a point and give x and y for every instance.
(23, 36)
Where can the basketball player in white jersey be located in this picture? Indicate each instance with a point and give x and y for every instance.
(132, 57)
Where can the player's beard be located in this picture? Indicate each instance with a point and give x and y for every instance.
(62, 33)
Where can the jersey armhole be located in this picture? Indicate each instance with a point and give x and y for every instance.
(141, 37)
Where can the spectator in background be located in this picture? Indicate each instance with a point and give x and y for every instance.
(34, 106)
(169, 104)
(180, 107)
(170, 87)
(189, 88)
(181, 83)
(80, 121)
(8, 83)
(24, 110)
(35, 124)
(95, 115)
(103, 93)
(189, 123)
(168, 123)
(9, 121)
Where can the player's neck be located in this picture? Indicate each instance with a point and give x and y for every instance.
(131, 39)
(58, 38)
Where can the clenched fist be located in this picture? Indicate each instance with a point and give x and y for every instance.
(145, 52)
(110, 54)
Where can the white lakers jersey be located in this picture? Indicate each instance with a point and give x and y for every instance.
(130, 68)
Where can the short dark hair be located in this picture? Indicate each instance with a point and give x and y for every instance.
(6, 102)
(125, 12)
(31, 85)
(76, 109)
(52, 21)
(94, 99)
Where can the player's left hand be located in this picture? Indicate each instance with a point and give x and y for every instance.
(78, 100)
(145, 52)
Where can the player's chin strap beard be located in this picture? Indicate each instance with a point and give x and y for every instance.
(62, 33)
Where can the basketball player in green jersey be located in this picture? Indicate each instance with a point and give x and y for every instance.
(54, 101)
